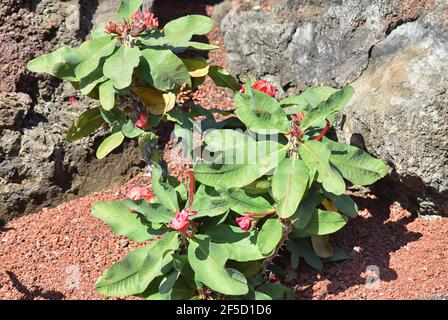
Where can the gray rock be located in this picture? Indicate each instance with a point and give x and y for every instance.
(395, 55)
(13, 109)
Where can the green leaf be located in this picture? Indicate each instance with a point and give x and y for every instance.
(120, 66)
(295, 253)
(227, 139)
(121, 220)
(98, 30)
(158, 259)
(321, 246)
(88, 83)
(276, 291)
(306, 251)
(163, 70)
(289, 184)
(355, 165)
(209, 203)
(130, 130)
(241, 202)
(344, 204)
(60, 63)
(335, 102)
(181, 30)
(261, 113)
(270, 235)
(87, 123)
(325, 222)
(107, 95)
(109, 144)
(317, 155)
(153, 212)
(94, 49)
(252, 161)
(208, 261)
(128, 8)
(164, 193)
(197, 67)
(122, 278)
(222, 78)
(310, 98)
(240, 245)
(306, 209)
(200, 46)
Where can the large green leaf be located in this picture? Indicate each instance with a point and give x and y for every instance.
(317, 155)
(120, 66)
(325, 222)
(163, 70)
(334, 103)
(122, 278)
(94, 50)
(241, 245)
(60, 63)
(310, 98)
(301, 248)
(343, 203)
(118, 216)
(87, 123)
(270, 235)
(107, 95)
(227, 139)
(208, 261)
(307, 207)
(88, 83)
(261, 113)
(239, 201)
(289, 184)
(223, 78)
(251, 162)
(109, 144)
(164, 193)
(128, 8)
(153, 212)
(181, 30)
(209, 203)
(276, 291)
(355, 165)
(157, 259)
(200, 46)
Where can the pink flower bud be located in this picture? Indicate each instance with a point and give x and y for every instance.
(142, 122)
(137, 15)
(137, 193)
(263, 86)
(245, 222)
(181, 220)
(72, 101)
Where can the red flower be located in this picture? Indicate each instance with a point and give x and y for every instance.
(263, 86)
(151, 21)
(142, 122)
(138, 193)
(245, 222)
(137, 15)
(72, 101)
(181, 220)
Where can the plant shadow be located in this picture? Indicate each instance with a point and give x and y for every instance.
(33, 292)
(375, 235)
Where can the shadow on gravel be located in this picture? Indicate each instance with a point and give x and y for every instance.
(35, 291)
(375, 238)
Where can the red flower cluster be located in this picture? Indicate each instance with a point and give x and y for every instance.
(140, 22)
(295, 131)
(142, 122)
(245, 222)
(181, 220)
(137, 193)
(263, 86)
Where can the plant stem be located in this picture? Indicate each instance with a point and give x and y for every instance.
(321, 135)
(191, 178)
(285, 232)
(259, 214)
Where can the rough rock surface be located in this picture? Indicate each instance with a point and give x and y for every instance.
(37, 166)
(395, 55)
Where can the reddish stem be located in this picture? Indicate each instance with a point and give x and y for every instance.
(191, 178)
(323, 131)
(259, 214)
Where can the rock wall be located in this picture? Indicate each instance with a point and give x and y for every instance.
(395, 55)
(37, 166)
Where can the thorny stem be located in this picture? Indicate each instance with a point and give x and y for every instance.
(285, 232)
(191, 178)
(320, 136)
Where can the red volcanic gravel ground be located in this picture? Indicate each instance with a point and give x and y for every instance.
(59, 253)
